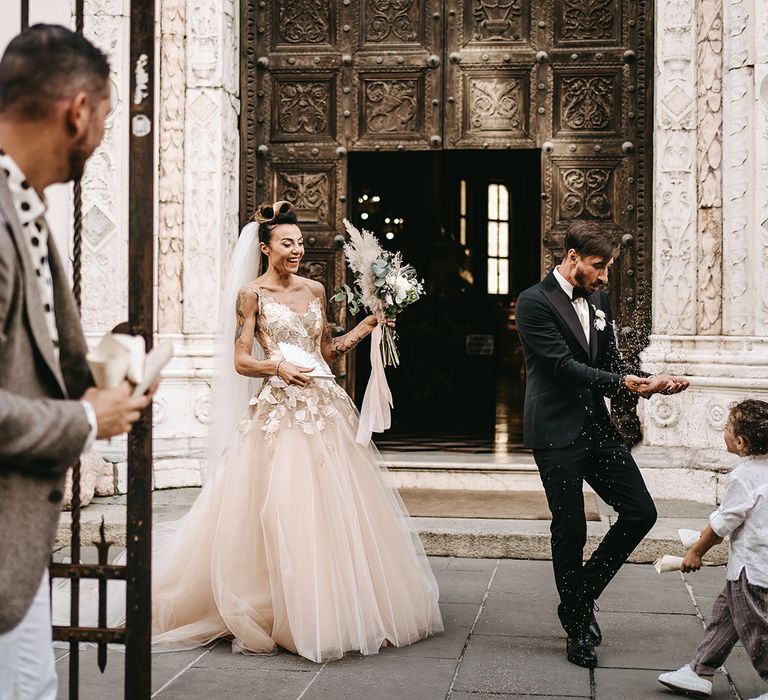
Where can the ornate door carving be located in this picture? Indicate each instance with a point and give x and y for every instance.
(325, 77)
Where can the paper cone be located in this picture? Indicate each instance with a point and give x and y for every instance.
(108, 362)
(667, 563)
(688, 537)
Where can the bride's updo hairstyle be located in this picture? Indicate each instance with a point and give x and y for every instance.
(268, 216)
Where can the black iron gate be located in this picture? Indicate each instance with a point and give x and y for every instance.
(135, 635)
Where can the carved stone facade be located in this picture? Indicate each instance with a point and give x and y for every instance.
(709, 186)
(711, 229)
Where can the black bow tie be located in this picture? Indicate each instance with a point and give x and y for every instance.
(580, 292)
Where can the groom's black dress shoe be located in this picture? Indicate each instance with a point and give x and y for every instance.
(595, 633)
(581, 651)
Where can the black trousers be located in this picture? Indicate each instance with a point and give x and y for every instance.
(600, 459)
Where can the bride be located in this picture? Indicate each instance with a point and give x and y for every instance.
(297, 539)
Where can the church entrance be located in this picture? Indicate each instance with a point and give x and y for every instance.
(469, 222)
(340, 96)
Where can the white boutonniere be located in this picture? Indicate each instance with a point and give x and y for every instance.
(599, 318)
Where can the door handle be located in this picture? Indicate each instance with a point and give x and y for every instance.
(433, 61)
(454, 57)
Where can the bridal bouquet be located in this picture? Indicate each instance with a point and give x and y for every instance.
(384, 285)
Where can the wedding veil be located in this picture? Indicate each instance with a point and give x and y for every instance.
(230, 391)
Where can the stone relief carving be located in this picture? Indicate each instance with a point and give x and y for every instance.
(664, 413)
(498, 20)
(104, 188)
(302, 107)
(738, 163)
(202, 410)
(304, 21)
(709, 144)
(211, 165)
(586, 104)
(587, 193)
(588, 19)
(495, 105)
(391, 106)
(675, 216)
(717, 414)
(309, 192)
(170, 230)
(392, 20)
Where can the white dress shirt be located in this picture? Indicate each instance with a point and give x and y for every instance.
(30, 210)
(743, 516)
(579, 303)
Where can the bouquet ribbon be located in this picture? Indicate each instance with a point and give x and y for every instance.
(375, 415)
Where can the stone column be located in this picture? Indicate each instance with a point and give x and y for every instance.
(199, 202)
(715, 333)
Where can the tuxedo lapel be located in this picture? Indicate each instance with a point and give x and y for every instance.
(564, 307)
(33, 305)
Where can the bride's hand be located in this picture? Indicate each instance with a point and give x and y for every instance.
(372, 321)
(294, 374)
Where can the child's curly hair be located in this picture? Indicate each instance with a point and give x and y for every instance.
(750, 422)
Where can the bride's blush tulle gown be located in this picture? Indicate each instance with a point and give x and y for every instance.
(299, 539)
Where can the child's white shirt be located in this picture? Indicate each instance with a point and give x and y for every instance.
(743, 516)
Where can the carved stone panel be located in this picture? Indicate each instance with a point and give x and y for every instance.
(312, 191)
(588, 22)
(587, 104)
(303, 110)
(391, 105)
(303, 22)
(586, 191)
(392, 21)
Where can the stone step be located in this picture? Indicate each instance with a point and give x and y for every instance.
(457, 537)
(491, 472)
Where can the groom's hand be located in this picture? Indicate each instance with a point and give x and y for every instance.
(667, 384)
(637, 385)
(116, 410)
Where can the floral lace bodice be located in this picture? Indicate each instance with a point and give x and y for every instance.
(276, 404)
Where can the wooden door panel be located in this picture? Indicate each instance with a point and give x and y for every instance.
(394, 75)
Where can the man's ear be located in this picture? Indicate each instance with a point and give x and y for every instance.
(78, 114)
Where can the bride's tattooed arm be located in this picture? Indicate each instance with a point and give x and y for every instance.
(333, 348)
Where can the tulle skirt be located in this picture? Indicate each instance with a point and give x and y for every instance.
(298, 540)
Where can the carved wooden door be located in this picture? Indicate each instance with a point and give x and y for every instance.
(568, 77)
(325, 77)
(321, 78)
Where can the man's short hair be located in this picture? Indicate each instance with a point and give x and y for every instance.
(587, 238)
(46, 63)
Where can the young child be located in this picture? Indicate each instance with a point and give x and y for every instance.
(740, 613)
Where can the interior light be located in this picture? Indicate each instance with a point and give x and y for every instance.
(375, 198)
(365, 197)
(389, 235)
(364, 215)
(386, 221)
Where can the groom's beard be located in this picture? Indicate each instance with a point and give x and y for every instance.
(581, 281)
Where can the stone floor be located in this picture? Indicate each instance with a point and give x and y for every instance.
(501, 640)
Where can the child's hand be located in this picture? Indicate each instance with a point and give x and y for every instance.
(691, 562)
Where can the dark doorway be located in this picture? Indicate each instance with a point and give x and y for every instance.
(469, 221)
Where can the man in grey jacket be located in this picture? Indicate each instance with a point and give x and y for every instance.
(54, 98)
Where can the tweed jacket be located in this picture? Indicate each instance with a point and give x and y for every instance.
(43, 428)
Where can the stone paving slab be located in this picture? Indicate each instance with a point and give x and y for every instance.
(520, 665)
(637, 684)
(501, 641)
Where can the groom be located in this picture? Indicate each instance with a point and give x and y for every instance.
(572, 363)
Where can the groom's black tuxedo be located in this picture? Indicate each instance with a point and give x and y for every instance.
(566, 378)
(567, 425)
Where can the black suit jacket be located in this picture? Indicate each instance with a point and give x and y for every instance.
(566, 377)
